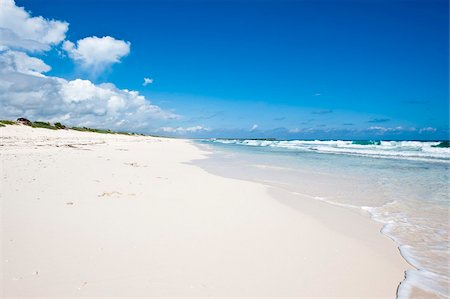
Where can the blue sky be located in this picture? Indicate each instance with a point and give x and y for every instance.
(286, 69)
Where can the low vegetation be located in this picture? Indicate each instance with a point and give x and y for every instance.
(104, 131)
(44, 125)
(60, 126)
(7, 122)
(86, 129)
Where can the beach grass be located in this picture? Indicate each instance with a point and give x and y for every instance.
(45, 125)
(106, 131)
(86, 129)
(4, 122)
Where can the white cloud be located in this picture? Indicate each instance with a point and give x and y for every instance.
(96, 53)
(427, 129)
(24, 92)
(295, 130)
(147, 81)
(391, 129)
(254, 127)
(19, 30)
(21, 62)
(377, 128)
(182, 130)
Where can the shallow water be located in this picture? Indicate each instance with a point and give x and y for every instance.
(400, 185)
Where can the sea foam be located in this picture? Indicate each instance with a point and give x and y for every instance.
(412, 150)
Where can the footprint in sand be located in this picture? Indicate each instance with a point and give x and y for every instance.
(133, 164)
(110, 194)
(115, 193)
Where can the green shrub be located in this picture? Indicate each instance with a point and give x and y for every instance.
(60, 126)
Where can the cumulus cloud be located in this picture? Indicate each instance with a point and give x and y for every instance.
(97, 53)
(254, 127)
(11, 61)
(19, 30)
(182, 130)
(147, 81)
(25, 92)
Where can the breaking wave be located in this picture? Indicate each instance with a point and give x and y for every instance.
(413, 150)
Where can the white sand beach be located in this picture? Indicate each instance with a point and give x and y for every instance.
(101, 215)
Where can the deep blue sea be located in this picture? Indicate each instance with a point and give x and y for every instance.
(403, 184)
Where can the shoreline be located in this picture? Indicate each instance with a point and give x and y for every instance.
(276, 170)
(300, 201)
(92, 215)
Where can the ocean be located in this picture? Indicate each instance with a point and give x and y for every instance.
(402, 184)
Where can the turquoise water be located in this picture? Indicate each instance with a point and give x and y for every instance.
(404, 185)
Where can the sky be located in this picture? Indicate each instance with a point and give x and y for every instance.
(246, 69)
